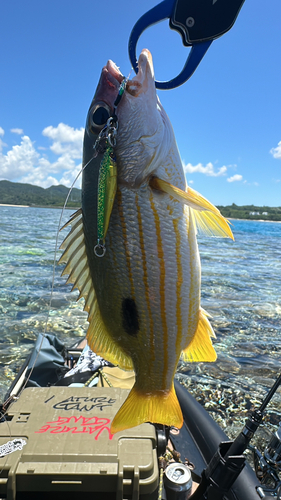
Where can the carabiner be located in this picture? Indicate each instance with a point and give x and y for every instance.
(199, 22)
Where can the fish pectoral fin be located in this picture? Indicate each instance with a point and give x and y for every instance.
(77, 267)
(200, 348)
(208, 219)
(210, 224)
(161, 407)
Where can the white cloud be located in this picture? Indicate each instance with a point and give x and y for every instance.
(66, 139)
(19, 160)
(208, 170)
(234, 178)
(2, 131)
(276, 152)
(26, 163)
(18, 131)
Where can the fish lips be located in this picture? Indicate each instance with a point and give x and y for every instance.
(111, 78)
(109, 84)
(102, 106)
(110, 81)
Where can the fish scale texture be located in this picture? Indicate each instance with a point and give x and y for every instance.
(150, 263)
(143, 295)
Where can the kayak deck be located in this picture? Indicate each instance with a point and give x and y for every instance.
(56, 435)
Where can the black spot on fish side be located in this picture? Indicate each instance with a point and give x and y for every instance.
(130, 316)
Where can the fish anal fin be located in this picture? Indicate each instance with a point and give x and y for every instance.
(161, 407)
(207, 217)
(200, 348)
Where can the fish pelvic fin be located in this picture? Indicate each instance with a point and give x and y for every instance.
(77, 268)
(161, 407)
(208, 219)
(200, 348)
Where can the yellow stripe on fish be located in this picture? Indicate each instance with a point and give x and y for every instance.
(145, 279)
(143, 295)
(179, 286)
(153, 278)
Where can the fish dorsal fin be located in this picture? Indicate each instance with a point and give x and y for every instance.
(208, 219)
(77, 268)
(200, 348)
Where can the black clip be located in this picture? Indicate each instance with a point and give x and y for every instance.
(199, 22)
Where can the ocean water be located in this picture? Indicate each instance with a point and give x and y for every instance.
(241, 289)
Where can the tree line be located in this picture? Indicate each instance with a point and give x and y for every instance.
(251, 212)
(16, 193)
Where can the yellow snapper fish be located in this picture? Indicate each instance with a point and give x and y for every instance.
(143, 295)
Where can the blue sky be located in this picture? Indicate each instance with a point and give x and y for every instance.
(226, 118)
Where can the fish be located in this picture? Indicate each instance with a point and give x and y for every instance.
(142, 295)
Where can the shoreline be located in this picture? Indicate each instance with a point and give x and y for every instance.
(9, 205)
(38, 206)
(254, 220)
(75, 208)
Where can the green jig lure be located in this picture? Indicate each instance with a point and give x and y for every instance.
(107, 187)
(107, 181)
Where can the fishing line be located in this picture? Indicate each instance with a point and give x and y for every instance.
(95, 152)
(52, 285)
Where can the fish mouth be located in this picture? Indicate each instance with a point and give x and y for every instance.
(137, 84)
(111, 79)
(103, 104)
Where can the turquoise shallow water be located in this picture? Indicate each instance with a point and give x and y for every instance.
(241, 289)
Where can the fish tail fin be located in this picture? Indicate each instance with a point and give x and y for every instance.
(200, 348)
(161, 407)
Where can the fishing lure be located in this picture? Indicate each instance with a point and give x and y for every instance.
(107, 181)
(107, 187)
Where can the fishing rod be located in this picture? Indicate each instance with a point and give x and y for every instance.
(229, 461)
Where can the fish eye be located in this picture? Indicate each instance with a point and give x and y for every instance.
(98, 117)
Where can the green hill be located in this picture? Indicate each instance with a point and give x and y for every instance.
(251, 212)
(15, 193)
